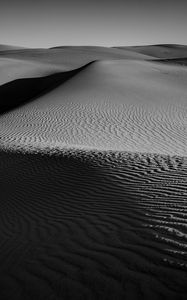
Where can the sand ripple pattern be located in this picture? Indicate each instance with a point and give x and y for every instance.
(93, 225)
(123, 127)
(93, 181)
(131, 106)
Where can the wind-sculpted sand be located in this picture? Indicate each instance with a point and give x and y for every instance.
(23, 90)
(93, 226)
(93, 174)
(113, 105)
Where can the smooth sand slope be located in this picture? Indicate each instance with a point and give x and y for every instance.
(93, 174)
(10, 48)
(159, 51)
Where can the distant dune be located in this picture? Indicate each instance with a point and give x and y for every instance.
(9, 47)
(93, 173)
(159, 51)
(71, 57)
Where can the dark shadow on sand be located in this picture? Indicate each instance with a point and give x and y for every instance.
(19, 91)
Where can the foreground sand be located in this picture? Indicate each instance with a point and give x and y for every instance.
(93, 173)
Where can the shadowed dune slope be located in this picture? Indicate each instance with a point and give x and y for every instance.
(174, 61)
(29, 63)
(16, 92)
(160, 51)
(12, 69)
(134, 106)
(93, 226)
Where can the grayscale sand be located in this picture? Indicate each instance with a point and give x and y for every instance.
(93, 173)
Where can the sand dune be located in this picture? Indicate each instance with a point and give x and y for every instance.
(12, 69)
(26, 63)
(160, 51)
(72, 57)
(129, 105)
(175, 61)
(93, 165)
(22, 90)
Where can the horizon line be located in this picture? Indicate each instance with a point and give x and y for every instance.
(92, 45)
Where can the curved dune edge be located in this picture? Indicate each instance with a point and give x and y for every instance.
(12, 69)
(19, 91)
(107, 106)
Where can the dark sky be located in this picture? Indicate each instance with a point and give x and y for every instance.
(40, 23)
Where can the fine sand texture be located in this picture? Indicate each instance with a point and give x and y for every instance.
(93, 173)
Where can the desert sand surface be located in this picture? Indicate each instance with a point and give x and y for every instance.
(160, 51)
(93, 173)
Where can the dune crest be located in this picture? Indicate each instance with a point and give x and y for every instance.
(19, 91)
(133, 106)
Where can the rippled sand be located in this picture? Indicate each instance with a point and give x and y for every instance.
(137, 106)
(93, 173)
